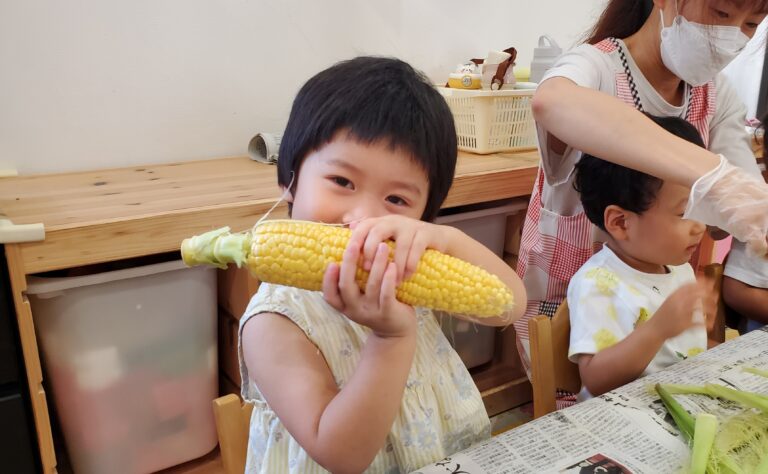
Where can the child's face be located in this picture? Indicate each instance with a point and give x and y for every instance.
(660, 235)
(346, 181)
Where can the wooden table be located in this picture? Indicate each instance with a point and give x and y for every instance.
(106, 215)
(627, 425)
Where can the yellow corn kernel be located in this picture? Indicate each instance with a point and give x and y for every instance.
(296, 253)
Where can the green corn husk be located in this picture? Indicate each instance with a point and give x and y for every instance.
(217, 247)
(750, 399)
(756, 371)
(705, 430)
(684, 421)
(741, 441)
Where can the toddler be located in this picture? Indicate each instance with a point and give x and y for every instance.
(347, 380)
(634, 304)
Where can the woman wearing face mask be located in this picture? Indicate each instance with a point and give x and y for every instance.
(661, 57)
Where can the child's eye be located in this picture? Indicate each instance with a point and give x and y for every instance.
(721, 14)
(341, 181)
(397, 200)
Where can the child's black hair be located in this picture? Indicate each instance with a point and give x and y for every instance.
(374, 98)
(602, 183)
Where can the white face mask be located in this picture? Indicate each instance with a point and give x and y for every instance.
(696, 53)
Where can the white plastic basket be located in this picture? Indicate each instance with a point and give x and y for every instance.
(492, 121)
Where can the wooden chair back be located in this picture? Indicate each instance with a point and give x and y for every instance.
(550, 368)
(233, 419)
(715, 272)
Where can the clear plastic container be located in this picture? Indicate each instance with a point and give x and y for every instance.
(473, 342)
(130, 356)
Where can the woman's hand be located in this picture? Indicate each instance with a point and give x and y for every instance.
(734, 200)
(377, 307)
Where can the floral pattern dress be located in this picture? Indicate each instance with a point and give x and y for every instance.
(441, 411)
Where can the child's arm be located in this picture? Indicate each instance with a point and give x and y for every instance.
(341, 429)
(749, 301)
(413, 237)
(626, 360)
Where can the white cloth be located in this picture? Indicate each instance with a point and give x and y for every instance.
(441, 410)
(746, 268)
(607, 299)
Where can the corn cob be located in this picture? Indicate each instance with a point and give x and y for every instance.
(296, 253)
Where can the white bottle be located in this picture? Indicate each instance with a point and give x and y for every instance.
(544, 57)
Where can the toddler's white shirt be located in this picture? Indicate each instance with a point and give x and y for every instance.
(607, 299)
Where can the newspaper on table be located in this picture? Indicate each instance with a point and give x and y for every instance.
(627, 430)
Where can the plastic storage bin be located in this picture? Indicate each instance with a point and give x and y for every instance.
(131, 359)
(474, 342)
(492, 121)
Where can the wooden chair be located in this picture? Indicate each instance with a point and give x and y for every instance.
(715, 271)
(233, 419)
(550, 368)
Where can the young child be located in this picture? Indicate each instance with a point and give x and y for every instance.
(745, 280)
(632, 304)
(344, 380)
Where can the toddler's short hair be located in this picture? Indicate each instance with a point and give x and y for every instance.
(602, 183)
(374, 99)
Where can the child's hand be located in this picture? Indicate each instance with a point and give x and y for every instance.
(412, 237)
(677, 313)
(375, 308)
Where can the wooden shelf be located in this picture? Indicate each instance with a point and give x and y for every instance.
(99, 216)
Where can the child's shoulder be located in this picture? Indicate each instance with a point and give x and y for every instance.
(603, 273)
(601, 262)
(270, 294)
(294, 303)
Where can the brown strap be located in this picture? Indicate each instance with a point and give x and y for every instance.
(498, 78)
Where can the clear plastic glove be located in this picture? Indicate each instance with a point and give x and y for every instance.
(732, 199)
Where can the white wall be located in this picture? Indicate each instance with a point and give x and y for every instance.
(88, 84)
